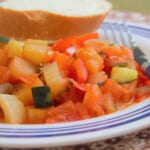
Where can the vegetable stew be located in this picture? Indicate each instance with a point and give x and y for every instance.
(71, 79)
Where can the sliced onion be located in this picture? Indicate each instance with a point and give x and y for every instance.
(13, 109)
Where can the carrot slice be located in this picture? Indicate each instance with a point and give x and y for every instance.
(81, 39)
(29, 79)
(63, 44)
(93, 101)
(114, 88)
(81, 71)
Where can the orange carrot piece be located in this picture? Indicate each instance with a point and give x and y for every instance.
(4, 74)
(28, 79)
(63, 62)
(81, 39)
(63, 44)
(81, 70)
(92, 60)
(93, 101)
(114, 88)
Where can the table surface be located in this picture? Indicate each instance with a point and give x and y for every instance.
(142, 6)
(139, 140)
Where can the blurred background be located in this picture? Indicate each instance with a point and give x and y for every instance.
(142, 6)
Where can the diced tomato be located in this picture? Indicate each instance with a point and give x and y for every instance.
(81, 111)
(64, 113)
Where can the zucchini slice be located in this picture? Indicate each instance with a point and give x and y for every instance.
(121, 65)
(123, 74)
(42, 96)
(4, 39)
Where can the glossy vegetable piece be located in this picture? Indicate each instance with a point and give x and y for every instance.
(98, 78)
(14, 48)
(39, 51)
(81, 39)
(14, 110)
(36, 115)
(63, 62)
(42, 96)
(63, 44)
(67, 112)
(20, 67)
(123, 74)
(108, 103)
(91, 59)
(96, 44)
(24, 93)
(114, 88)
(93, 101)
(4, 74)
(54, 79)
(78, 71)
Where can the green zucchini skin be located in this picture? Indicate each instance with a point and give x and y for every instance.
(4, 39)
(42, 97)
(121, 65)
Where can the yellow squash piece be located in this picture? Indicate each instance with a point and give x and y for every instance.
(123, 74)
(36, 50)
(36, 115)
(14, 48)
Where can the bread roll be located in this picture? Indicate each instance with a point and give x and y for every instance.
(50, 19)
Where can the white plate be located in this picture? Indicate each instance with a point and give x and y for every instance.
(129, 120)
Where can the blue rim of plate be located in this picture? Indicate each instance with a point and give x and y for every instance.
(138, 30)
(128, 116)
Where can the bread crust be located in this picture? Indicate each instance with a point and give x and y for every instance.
(45, 25)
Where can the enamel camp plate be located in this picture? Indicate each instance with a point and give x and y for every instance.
(117, 124)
